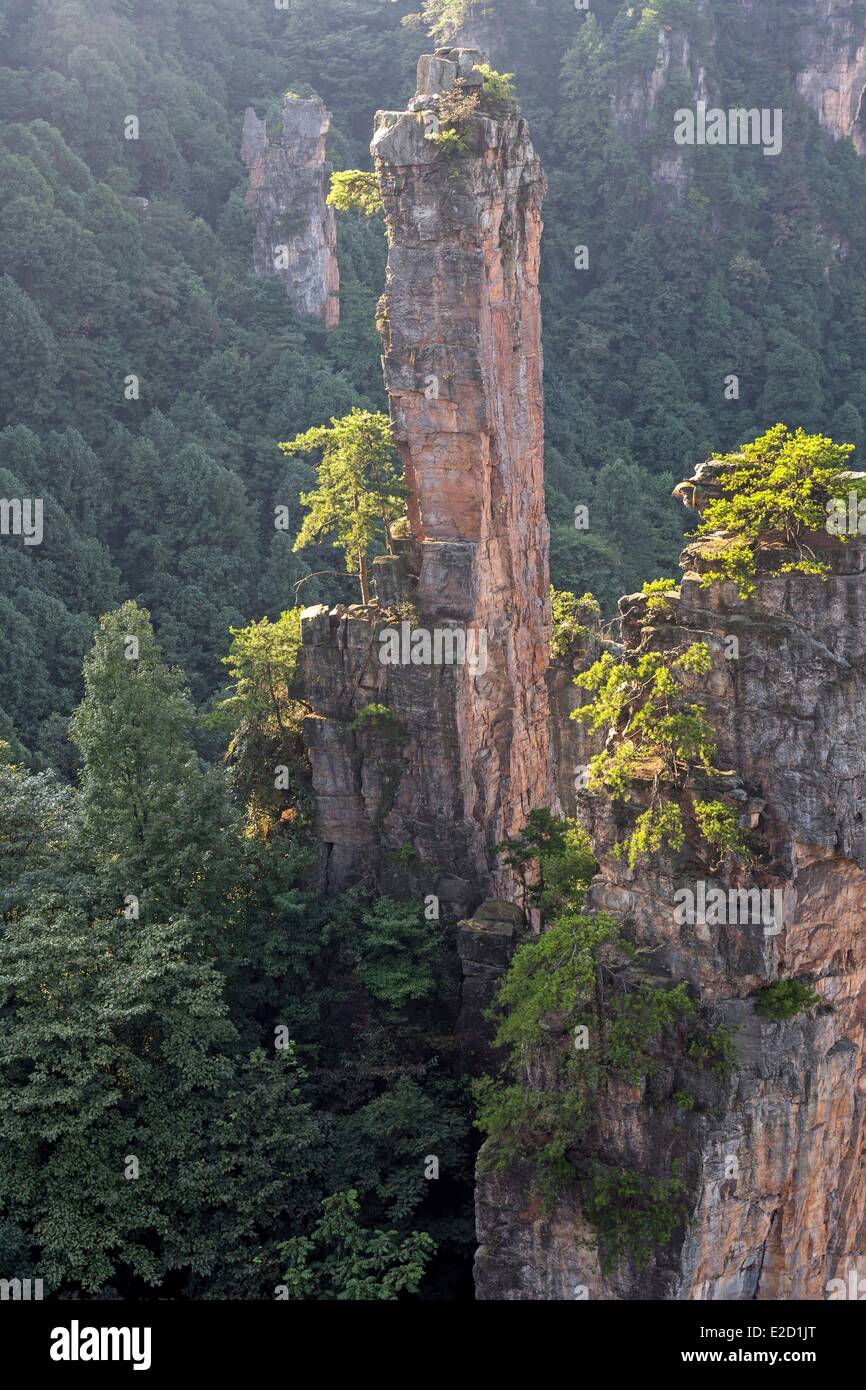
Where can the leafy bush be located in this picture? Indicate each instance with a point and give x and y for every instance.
(635, 1215)
(572, 620)
(784, 999)
(657, 593)
(342, 1259)
(662, 736)
(715, 1051)
(450, 142)
(374, 714)
(264, 717)
(565, 988)
(355, 190)
(497, 94)
(776, 487)
(720, 829)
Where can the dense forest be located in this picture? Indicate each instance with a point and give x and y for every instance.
(147, 381)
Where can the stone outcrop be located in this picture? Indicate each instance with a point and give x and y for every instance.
(463, 369)
(295, 230)
(388, 787)
(462, 358)
(833, 73)
(772, 1153)
(827, 59)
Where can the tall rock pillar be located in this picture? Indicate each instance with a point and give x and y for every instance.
(421, 793)
(295, 230)
(461, 327)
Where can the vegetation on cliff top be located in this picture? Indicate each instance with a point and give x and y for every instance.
(777, 488)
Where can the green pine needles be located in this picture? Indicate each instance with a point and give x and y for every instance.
(785, 999)
(776, 488)
(662, 738)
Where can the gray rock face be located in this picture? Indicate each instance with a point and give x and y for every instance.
(833, 75)
(388, 790)
(295, 230)
(485, 944)
(772, 1156)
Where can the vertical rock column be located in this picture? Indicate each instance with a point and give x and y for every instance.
(461, 327)
(295, 230)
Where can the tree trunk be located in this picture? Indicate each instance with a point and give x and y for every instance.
(362, 575)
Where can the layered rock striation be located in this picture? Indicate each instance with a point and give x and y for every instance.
(295, 230)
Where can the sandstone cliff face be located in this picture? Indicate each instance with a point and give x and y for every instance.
(772, 1156)
(388, 791)
(462, 358)
(463, 367)
(295, 230)
(833, 75)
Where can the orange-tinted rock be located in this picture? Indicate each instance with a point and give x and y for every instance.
(833, 75)
(461, 325)
(463, 367)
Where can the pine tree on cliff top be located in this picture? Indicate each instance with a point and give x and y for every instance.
(359, 492)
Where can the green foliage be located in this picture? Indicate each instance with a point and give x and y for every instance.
(455, 110)
(636, 1215)
(497, 94)
(398, 956)
(572, 621)
(715, 1051)
(567, 987)
(375, 714)
(785, 999)
(342, 1259)
(359, 489)
(149, 1033)
(548, 857)
(442, 18)
(262, 660)
(659, 827)
(262, 714)
(719, 825)
(170, 497)
(662, 735)
(354, 190)
(565, 873)
(635, 1023)
(776, 488)
(451, 142)
(658, 593)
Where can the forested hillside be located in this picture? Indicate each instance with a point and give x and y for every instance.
(753, 268)
(146, 381)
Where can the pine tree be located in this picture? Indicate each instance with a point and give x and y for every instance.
(359, 492)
